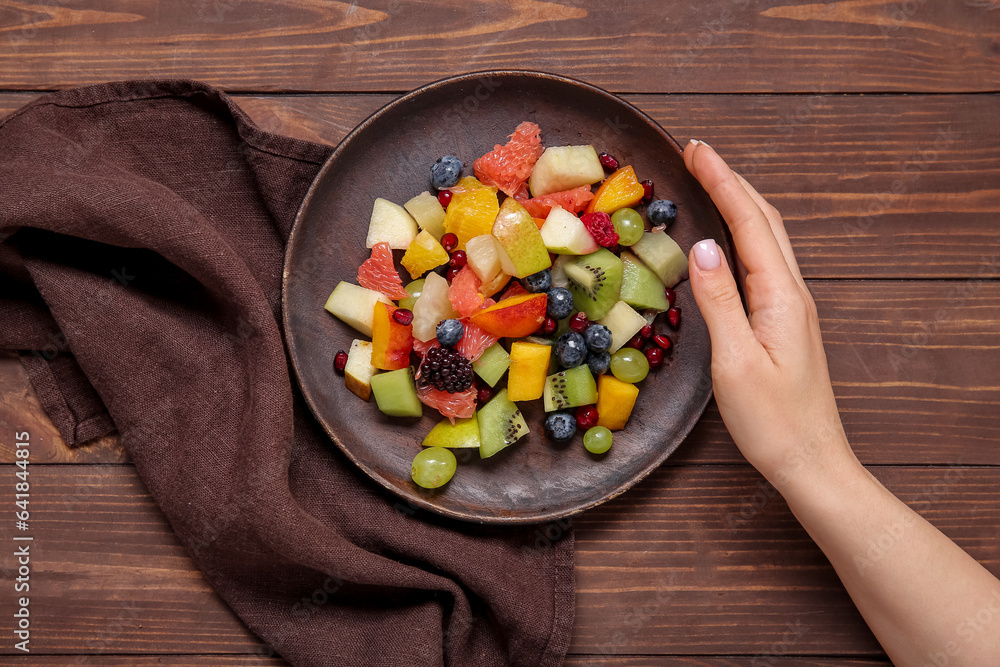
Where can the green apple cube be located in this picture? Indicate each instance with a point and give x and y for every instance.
(564, 168)
(624, 323)
(390, 223)
(662, 254)
(396, 394)
(492, 364)
(428, 212)
(354, 305)
(641, 288)
(564, 234)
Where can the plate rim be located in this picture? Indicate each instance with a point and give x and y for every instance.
(687, 426)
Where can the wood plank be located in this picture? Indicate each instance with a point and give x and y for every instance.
(693, 561)
(106, 660)
(852, 175)
(387, 45)
(915, 368)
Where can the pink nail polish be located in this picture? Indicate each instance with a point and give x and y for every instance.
(706, 255)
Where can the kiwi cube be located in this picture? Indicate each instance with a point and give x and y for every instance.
(641, 288)
(595, 281)
(569, 389)
(501, 424)
(396, 394)
(492, 364)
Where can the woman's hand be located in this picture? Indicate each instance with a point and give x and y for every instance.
(769, 369)
(917, 589)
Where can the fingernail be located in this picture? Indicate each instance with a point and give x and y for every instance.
(699, 142)
(706, 255)
(695, 142)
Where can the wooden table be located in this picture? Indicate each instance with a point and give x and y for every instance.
(871, 125)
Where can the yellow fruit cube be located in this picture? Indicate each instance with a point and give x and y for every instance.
(529, 362)
(615, 400)
(423, 254)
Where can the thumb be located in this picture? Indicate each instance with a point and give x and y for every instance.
(714, 290)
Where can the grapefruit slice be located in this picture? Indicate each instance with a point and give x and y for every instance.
(460, 405)
(464, 292)
(379, 273)
(574, 201)
(474, 342)
(508, 167)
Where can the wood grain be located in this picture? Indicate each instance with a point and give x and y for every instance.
(387, 45)
(571, 661)
(915, 369)
(696, 560)
(852, 175)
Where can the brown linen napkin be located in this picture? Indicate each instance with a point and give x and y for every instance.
(143, 287)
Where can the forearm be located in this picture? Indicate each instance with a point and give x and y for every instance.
(926, 600)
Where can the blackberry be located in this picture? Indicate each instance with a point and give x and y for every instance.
(445, 369)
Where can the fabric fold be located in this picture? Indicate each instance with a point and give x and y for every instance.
(142, 273)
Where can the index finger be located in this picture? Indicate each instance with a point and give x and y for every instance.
(755, 241)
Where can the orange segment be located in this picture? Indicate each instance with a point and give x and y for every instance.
(619, 190)
(424, 254)
(472, 210)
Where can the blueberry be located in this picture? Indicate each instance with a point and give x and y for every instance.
(571, 350)
(446, 172)
(598, 337)
(560, 303)
(449, 332)
(661, 212)
(538, 282)
(599, 362)
(560, 426)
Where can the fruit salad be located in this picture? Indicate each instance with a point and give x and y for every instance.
(541, 268)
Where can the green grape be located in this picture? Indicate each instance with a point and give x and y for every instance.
(629, 365)
(433, 467)
(597, 439)
(414, 289)
(629, 225)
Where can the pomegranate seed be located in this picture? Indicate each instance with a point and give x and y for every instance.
(636, 342)
(663, 342)
(549, 326)
(483, 394)
(579, 322)
(671, 295)
(586, 416)
(654, 356)
(674, 317)
(340, 361)
(647, 188)
(452, 272)
(459, 259)
(444, 198)
(403, 315)
(449, 241)
(608, 161)
(646, 332)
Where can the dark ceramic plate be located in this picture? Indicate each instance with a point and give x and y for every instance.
(388, 156)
